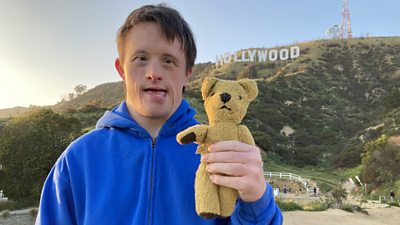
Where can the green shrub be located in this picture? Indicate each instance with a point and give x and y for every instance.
(288, 206)
(16, 205)
(347, 207)
(87, 108)
(10, 205)
(359, 209)
(339, 194)
(33, 212)
(394, 204)
(29, 146)
(315, 206)
(352, 208)
(5, 213)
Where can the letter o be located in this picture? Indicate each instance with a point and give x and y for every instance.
(283, 54)
(273, 55)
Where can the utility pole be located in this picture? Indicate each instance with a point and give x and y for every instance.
(346, 31)
(293, 151)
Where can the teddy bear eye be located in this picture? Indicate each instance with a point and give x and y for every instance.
(240, 97)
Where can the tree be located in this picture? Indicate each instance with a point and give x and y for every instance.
(392, 100)
(29, 146)
(381, 160)
(80, 89)
(339, 194)
(71, 96)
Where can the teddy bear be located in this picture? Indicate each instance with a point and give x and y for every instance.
(226, 104)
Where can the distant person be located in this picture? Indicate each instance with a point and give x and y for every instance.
(392, 195)
(276, 192)
(284, 189)
(130, 169)
(315, 191)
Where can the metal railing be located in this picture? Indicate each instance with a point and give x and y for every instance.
(290, 176)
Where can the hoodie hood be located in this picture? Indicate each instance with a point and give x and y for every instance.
(120, 118)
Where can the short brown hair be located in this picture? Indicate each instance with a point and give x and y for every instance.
(172, 25)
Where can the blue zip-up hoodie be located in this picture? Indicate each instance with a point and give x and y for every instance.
(117, 174)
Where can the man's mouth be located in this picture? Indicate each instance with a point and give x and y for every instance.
(225, 107)
(156, 92)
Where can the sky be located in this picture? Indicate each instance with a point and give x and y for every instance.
(47, 47)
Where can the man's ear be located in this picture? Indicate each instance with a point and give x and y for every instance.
(188, 75)
(206, 86)
(250, 87)
(120, 68)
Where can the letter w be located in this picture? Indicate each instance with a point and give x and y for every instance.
(262, 55)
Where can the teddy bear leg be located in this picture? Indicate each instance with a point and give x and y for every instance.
(206, 195)
(228, 198)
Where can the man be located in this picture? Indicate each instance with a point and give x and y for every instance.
(392, 195)
(130, 169)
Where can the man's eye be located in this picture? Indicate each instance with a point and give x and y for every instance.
(140, 59)
(169, 61)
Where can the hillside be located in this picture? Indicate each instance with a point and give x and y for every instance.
(106, 95)
(15, 111)
(102, 96)
(335, 96)
(332, 96)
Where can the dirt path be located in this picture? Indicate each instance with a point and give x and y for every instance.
(17, 220)
(18, 217)
(376, 216)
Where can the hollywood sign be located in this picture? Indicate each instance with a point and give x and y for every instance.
(258, 55)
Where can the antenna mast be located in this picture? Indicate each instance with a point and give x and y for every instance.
(346, 23)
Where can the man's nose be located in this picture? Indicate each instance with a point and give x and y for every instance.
(154, 72)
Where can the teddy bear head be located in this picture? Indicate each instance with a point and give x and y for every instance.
(226, 100)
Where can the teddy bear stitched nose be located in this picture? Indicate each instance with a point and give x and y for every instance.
(225, 97)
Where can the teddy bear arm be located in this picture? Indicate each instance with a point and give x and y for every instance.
(245, 135)
(195, 133)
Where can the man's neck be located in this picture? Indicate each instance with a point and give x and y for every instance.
(152, 125)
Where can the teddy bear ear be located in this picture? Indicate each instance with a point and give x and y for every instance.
(250, 87)
(206, 86)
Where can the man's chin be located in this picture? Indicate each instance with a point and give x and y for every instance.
(158, 114)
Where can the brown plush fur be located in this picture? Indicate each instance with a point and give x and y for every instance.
(226, 104)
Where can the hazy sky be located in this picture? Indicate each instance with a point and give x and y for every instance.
(47, 47)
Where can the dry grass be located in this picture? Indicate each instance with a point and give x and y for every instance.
(394, 140)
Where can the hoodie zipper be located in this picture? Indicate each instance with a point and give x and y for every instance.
(153, 144)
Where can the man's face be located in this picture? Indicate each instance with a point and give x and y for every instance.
(154, 71)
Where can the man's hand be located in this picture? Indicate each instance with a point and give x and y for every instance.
(237, 165)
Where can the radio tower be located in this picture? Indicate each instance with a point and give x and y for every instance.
(346, 23)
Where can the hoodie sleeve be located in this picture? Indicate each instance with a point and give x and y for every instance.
(261, 212)
(56, 202)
